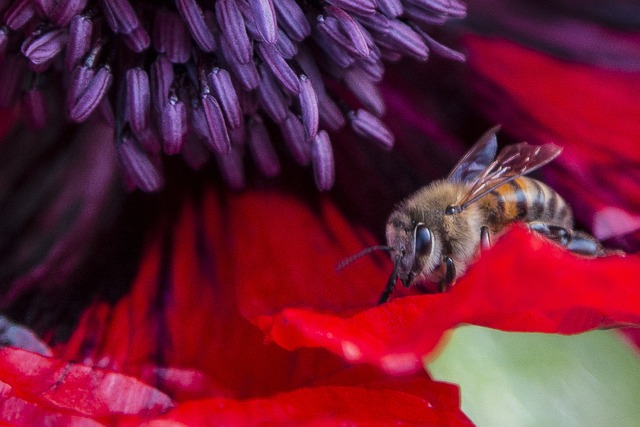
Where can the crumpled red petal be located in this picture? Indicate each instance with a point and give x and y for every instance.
(524, 283)
(46, 390)
(416, 401)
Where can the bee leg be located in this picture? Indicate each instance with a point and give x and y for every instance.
(449, 275)
(576, 241)
(485, 238)
(585, 244)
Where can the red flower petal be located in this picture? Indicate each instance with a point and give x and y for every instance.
(542, 289)
(181, 326)
(78, 390)
(419, 401)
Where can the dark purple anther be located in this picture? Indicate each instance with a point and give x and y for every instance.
(194, 153)
(369, 126)
(441, 49)
(233, 30)
(161, 81)
(292, 20)
(365, 90)
(34, 108)
(89, 94)
(193, 16)
(173, 125)
(149, 140)
(43, 6)
(138, 166)
(225, 93)
(80, 30)
(171, 36)
(322, 161)
(19, 13)
(285, 46)
(295, 137)
(120, 15)
(376, 23)
(265, 19)
(218, 138)
(406, 41)
(330, 114)
(137, 40)
(40, 48)
(351, 28)
(138, 98)
(232, 169)
(64, 10)
(309, 107)
(247, 74)
(271, 97)
(359, 7)
(391, 8)
(260, 145)
(279, 67)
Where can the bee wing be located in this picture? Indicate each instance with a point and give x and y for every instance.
(513, 161)
(477, 159)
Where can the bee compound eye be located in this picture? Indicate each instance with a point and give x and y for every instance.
(423, 240)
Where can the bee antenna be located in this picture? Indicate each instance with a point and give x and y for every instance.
(391, 283)
(365, 251)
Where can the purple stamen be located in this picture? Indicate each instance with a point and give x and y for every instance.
(247, 74)
(171, 36)
(218, 138)
(260, 146)
(351, 28)
(138, 98)
(80, 30)
(233, 30)
(309, 107)
(292, 20)
(120, 15)
(89, 94)
(271, 97)
(19, 13)
(137, 40)
(40, 48)
(193, 16)
(279, 67)
(359, 7)
(322, 161)
(161, 81)
(285, 46)
(369, 126)
(223, 89)
(294, 135)
(138, 166)
(231, 167)
(365, 90)
(64, 10)
(173, 125)
(265, 19)
(391, 8)
(194, 152)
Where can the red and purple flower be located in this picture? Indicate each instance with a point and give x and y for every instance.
(205, 305)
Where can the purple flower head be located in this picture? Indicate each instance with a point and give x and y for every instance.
(189, 75)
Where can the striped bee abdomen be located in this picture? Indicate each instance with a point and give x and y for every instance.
(526, 199)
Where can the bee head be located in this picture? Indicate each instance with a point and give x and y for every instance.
(413, 246)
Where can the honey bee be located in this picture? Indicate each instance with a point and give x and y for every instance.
(437, 232)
